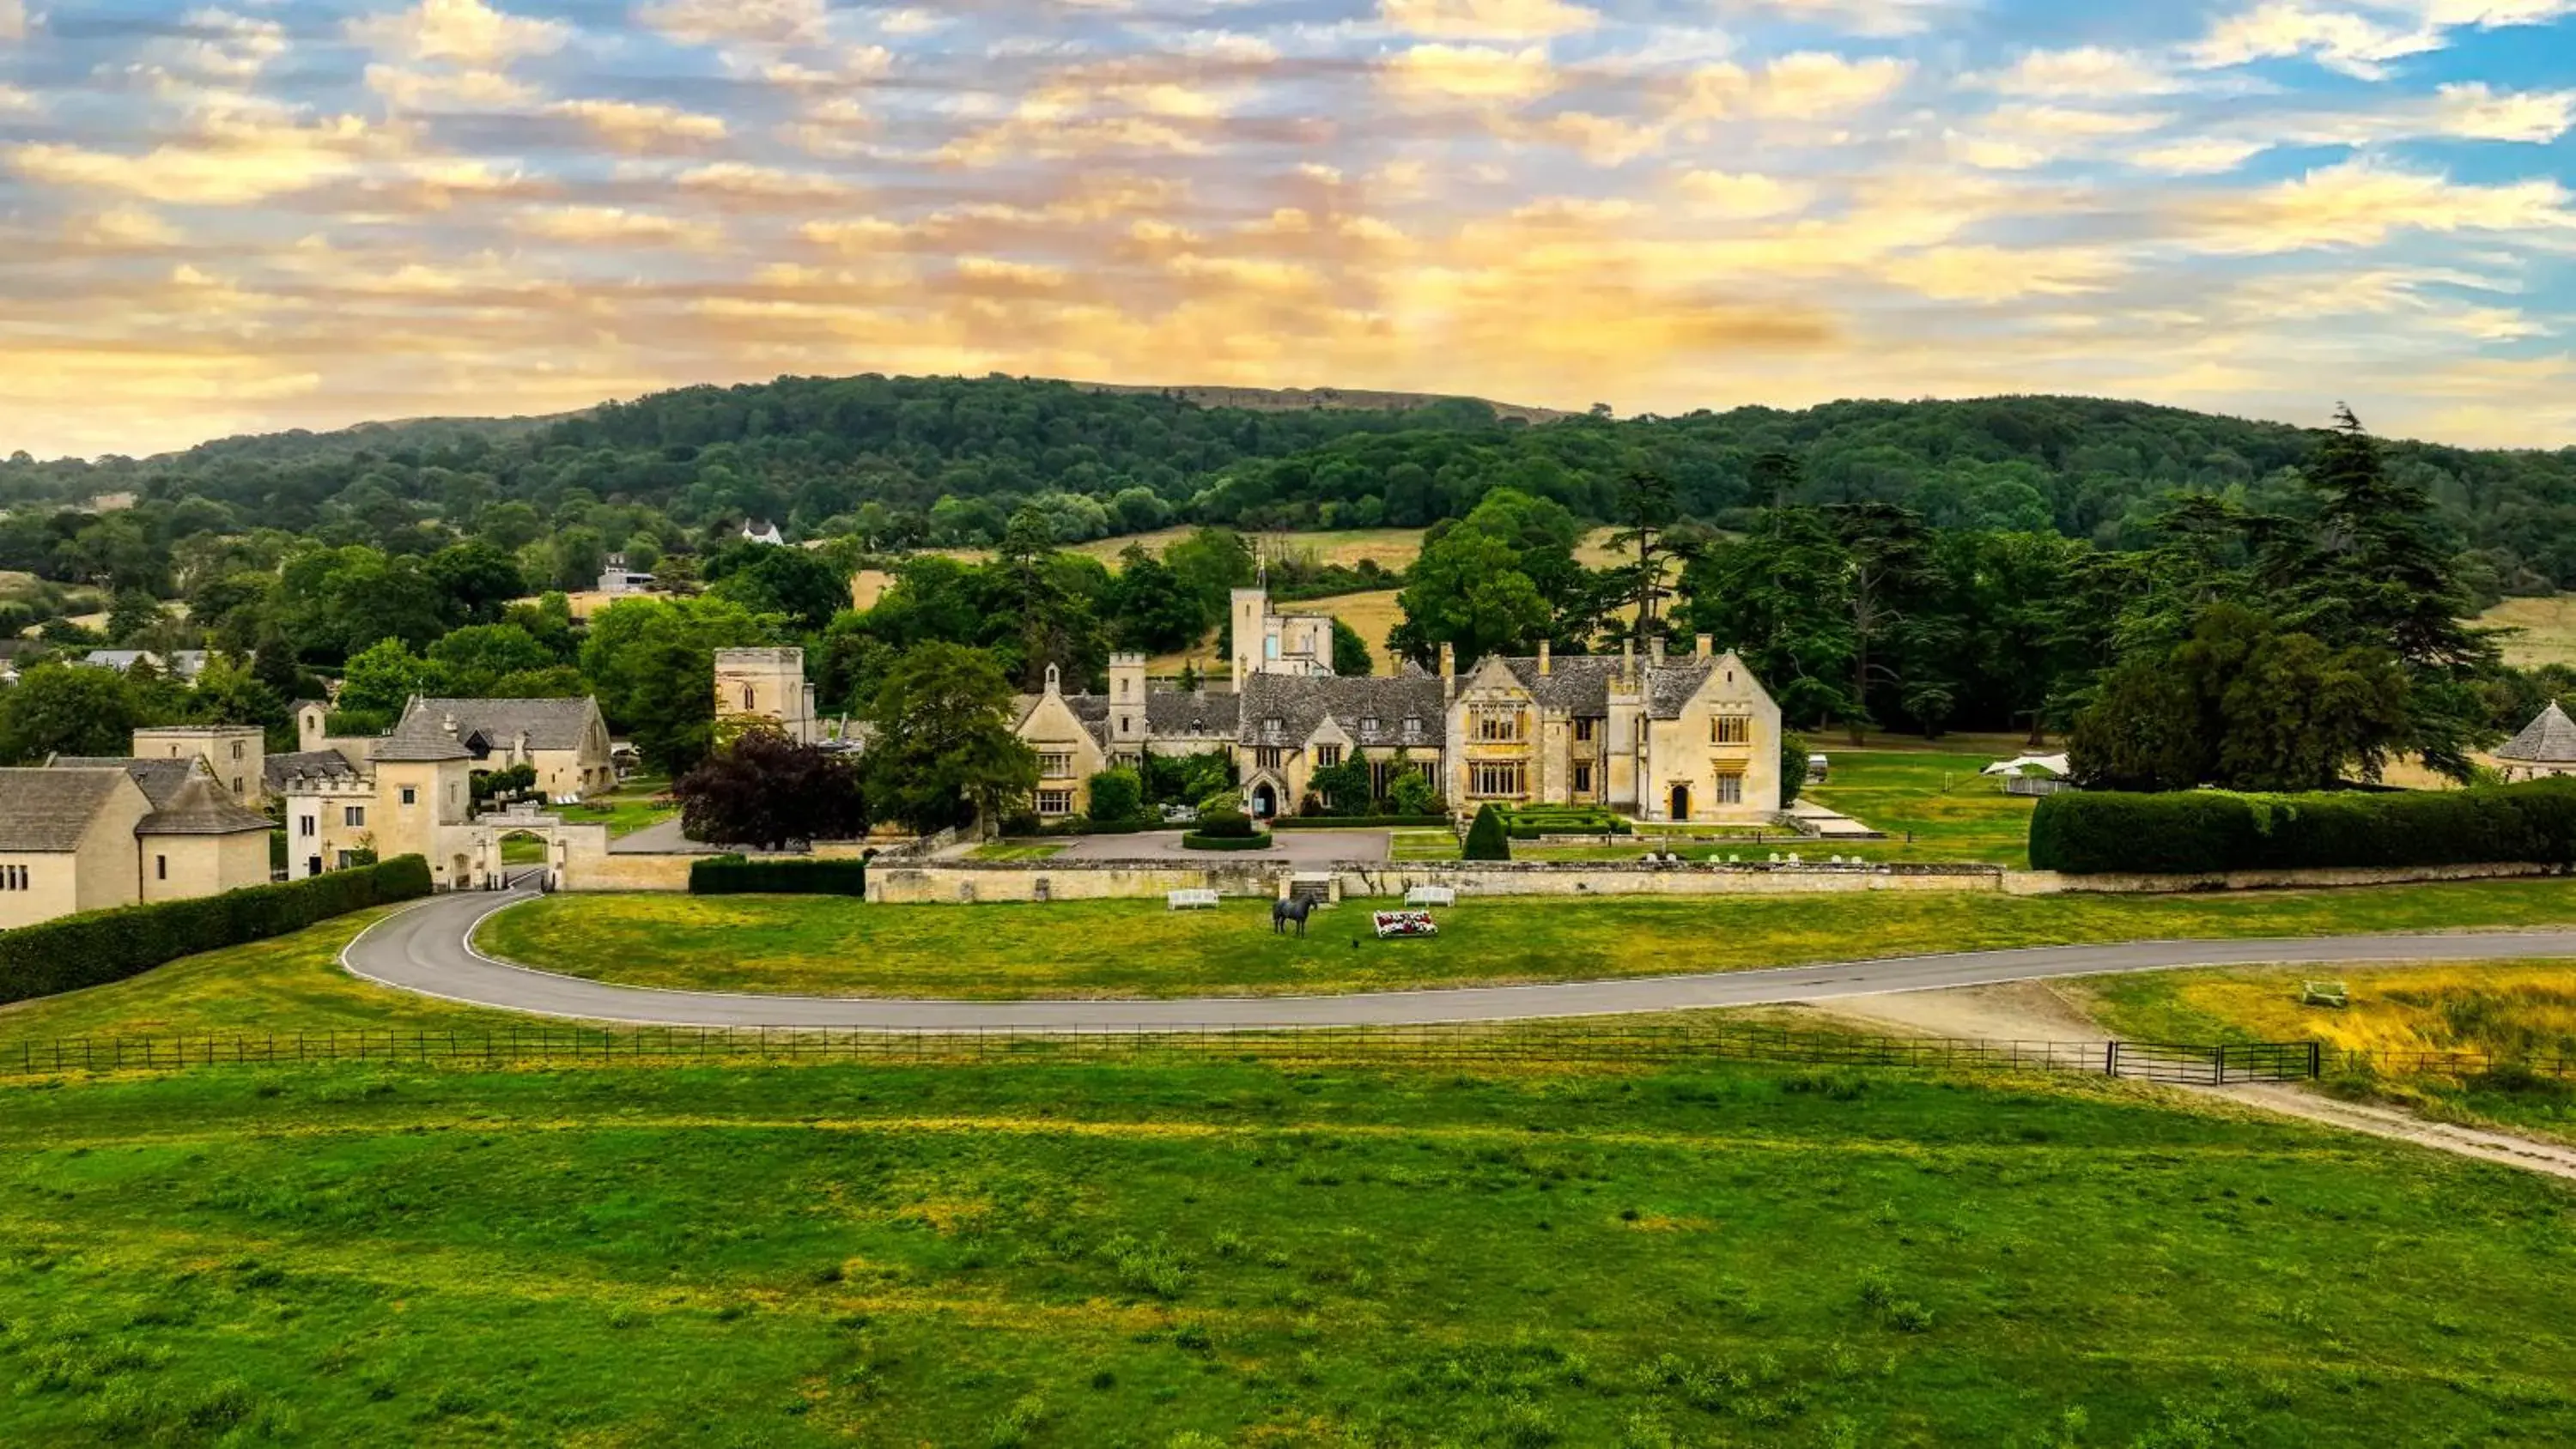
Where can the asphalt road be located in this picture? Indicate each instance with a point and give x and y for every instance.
(426, 949)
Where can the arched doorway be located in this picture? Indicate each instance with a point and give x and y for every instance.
(461, 876)
(1265, 801)
(1681, 802)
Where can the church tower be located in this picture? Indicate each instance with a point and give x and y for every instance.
(766, 684)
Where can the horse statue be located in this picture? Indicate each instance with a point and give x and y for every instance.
(1282, 912)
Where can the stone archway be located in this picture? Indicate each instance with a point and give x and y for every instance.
(1265, 801)
(1681, 802)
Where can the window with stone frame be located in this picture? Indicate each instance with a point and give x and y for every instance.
(1583, 779)
(1498, 724)
(1495, 779)
(1055, 802)
(1327, 756)
(1731, 729)
(1413, 727)
(1583, 725)
(1269, 757)
(1730, 787)
(1055, 764)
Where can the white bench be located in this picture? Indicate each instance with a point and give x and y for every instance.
(1431, 895)
(1191, 900)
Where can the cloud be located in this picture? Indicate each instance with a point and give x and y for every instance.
(225, 163)
(406, 89)
(1803, 85)
(2472, 110)
(616, 226)
(13, 20)
(1487, 19)
(631, 126)
(738, 179)
(2196, 155)
(755, 22)
(2359, 203)
(2000, 274)
(1434, 73)
(2337, 39)
(1742, 194)
(461, 32)
(2087, 73)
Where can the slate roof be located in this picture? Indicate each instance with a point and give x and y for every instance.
(422, 736)
(2550, 739)
(159, 778)
(201, 807)
(1170, 713)
(1579, 684)
(276, 770)
(552, 724)
(50, 809)
(1302, 702)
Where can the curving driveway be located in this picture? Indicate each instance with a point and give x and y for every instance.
(427, 948)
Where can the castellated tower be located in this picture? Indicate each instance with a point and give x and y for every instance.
(766, 684)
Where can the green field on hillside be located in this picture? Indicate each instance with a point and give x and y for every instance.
(842, 946)
(1198, 1255)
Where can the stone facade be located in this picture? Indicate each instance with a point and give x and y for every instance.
(564, 740)
(413, 797)
(236, 755)
(767, 685)
(91, 836)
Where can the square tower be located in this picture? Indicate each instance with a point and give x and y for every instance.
(766, 684)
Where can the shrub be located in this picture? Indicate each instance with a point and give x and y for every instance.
(2206, 831)
(1410, 793)
(1486, 839)
(733, 875)
(101, 946)
(1356, 822)
(1224, 824)
(1201, 840)
(1117, 795)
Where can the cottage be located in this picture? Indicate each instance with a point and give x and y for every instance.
(85, 837)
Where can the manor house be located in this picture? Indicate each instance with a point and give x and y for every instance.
(1655, 737)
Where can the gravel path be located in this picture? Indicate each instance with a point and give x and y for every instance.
(427, 948)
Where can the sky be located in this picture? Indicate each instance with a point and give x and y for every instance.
(269, 213)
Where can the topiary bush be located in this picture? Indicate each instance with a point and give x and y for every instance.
(102, 946)
(2198, 832)
(1224, 825)
(1200, 840)
(1487, 839)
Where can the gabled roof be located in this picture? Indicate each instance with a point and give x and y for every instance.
(1302, 702)
(276, 770)
(421, 737)
(51, 809)
(551, 724)
(2549, 739)
(201, 808)
(1171, 712)
(160, 779)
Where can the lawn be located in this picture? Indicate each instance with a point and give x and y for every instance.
(1171, 1255)
(2510, 1010)
(640, 801)
(1951, 811)
(840, 946)
(2547, 630)
(1017, 850)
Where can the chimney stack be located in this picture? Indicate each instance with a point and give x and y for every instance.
(1703, 642)
(1448, 671)
(1542, 658)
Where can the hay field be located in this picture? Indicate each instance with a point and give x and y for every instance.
(2547, 630)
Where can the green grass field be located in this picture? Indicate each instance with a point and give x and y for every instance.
(638, 802)
(1175, 1255)
(1952, 812)
(841, 946)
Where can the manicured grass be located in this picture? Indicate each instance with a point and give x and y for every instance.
(1137, 948)
(1423, 845)
(642, 800)
(1953, 812)
(1016, 850)
(522, 850)
(2510, 1010)
(1158, 1255)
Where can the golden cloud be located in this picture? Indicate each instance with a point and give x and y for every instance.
(757, 22)
(463, 32)
(616, 226)
(1487, 19)
(226, 163)
(1470, 73)
(632, 126)
(2359, 203)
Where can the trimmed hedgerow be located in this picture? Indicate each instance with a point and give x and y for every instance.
(1197, 840)
(2202, 831)
(1487, 839)
(734, 875)
(1355, 822)
(97, 947)
(1224, 825)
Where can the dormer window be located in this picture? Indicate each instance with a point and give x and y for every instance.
(1272, 725)
(1368, 724)
(1413, 727)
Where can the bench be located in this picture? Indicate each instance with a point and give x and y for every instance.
(2325, 993)
(1191, 900)
(1431, 895)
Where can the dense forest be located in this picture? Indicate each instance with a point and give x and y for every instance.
(947, 461)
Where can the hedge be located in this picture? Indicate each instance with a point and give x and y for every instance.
(1195, 841)
(96, 947)
(733, 875)
(2203, 831)
(1356, 822)
(1224, 825)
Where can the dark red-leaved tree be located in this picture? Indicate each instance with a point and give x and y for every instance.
(767, 790)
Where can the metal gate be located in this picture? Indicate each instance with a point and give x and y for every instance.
(2194, 1064)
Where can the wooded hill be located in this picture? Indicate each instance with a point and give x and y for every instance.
(948, 460)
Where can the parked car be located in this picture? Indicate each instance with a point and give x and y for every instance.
(1180, 815)
(1818, 768)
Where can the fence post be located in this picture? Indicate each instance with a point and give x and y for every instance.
(2111, 1058)
(2316, 1060)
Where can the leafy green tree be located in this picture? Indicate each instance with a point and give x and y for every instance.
(377, 682)
(475, 581)
(943, 753)
(1350, 652)
(134, 617)
(498, 661)
(652, 664)
(1777, 598)
(1343, 788)
(227, 692)
(765, 790)
(1212, 563)
(68, 709)
(1467, 591)
(1487, 838)
(1409, 792)
(1151, 609)
(767, 579)
(1117, 795)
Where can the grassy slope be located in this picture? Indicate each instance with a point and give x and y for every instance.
(2507, 1010)
(2547, 625)
(1165, 1255)
(1137, 948)
(1953, 812)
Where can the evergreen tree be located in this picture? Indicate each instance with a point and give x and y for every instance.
(1487, 838)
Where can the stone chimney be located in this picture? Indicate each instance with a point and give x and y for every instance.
(447, 722)
(1702, 646)
(1543, 664)
(1448, 671)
